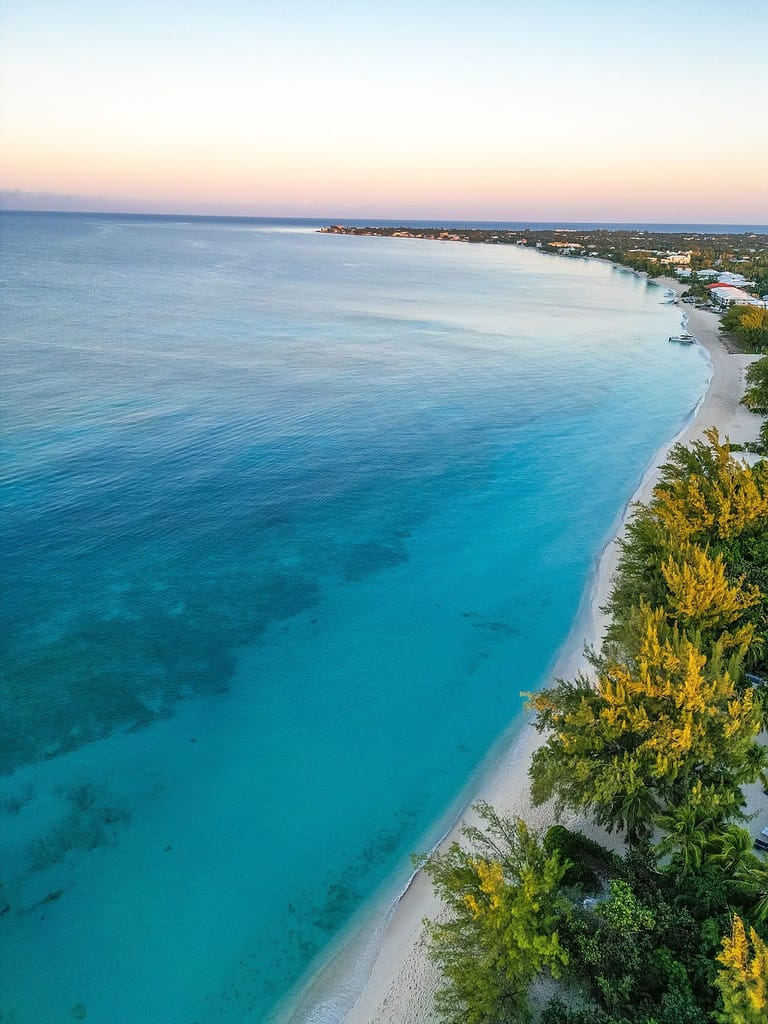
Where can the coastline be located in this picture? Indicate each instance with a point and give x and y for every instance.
(402, 981)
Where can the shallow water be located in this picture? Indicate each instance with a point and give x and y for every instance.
(289, 522)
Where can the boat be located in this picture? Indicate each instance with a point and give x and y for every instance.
(682, 339)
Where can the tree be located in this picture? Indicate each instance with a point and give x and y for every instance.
(695, 834)
(756, 394)
(743, 978)
(702, 599)
(761, 699)
(688, 831)
(749, 324)
(504, 912)
(639, 579)
(698, 549)
(731, 849)
(752, 879)
(668, 721)
(705, 494)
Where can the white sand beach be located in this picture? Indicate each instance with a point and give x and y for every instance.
(402, 982)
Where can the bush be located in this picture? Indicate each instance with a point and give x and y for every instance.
(750, 326)
(586, 858)
(556, 1012)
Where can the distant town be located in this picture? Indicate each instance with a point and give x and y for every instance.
(720, 270)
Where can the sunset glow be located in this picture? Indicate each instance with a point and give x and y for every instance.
(578, 112)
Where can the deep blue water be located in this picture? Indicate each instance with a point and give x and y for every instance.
(289, 521)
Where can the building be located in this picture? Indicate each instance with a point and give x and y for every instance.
(725, 295)
(675, 259)
(736, 279)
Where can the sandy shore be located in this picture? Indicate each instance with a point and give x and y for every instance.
(402, 981)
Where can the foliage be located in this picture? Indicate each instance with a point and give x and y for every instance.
(647, 735)
(583, 856)
(743, 978)
(730, 849)
(556, 1012)
(756, 394)
(699, 550)
(645, 547)
(502, 930)
(691, 829)
(705, 494)
(750, 325)
(623, 910)
(701, 598)
(638, 954)
(752, 881)
(761, 700)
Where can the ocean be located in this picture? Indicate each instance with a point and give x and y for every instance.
(289, 522)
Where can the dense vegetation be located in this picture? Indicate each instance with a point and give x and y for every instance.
(756, 394)
(749, 325)
(657, 744)
(756, 399)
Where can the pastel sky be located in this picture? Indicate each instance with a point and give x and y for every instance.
(484, 109)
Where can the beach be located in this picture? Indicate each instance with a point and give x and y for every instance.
(402, 982)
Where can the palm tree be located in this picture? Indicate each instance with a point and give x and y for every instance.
(634, 813)
(688, 834)
(752, 877)
(731, 849)
(761, 699)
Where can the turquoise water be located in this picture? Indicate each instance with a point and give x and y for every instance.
(289, 521)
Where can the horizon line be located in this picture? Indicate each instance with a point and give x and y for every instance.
(371, 220)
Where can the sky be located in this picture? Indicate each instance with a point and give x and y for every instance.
(483, 109)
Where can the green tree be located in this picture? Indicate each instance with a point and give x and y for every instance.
(623, 911)
(695, 834)
(636, 953)
(699, 550)
(752, 878)
(670, 721)
(705, 494)
(688, 829)
(645, 547)
(731, 849)
(502, 926)
(750, 326)
(702, 599)
(743, 977)
(756, 394)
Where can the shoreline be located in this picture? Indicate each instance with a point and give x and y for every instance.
(401, 980)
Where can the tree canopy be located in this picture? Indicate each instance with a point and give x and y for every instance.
(647, 731)
(749, 324)
(504, 909)
(743, 977)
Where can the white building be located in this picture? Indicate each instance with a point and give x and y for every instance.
(735, 279)
(702, 275)
(729, 295)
